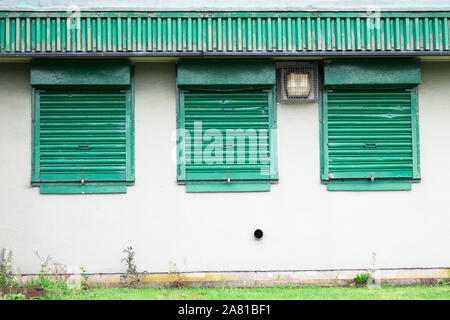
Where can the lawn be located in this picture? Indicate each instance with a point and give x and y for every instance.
(283, 293)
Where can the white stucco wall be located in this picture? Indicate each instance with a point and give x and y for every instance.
(306, 227)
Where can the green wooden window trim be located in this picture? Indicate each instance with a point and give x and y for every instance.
(237, 186)
(355, 184)
(89, 186)
(71, 72)
(372, 73)
(359, 185)
(245, 182)
(224, 33)
(228, 75)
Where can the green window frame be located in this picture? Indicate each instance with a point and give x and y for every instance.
(369, 139)
(82, 131)
(246, 109)
(226, 125)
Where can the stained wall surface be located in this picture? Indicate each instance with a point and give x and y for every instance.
(305, 226)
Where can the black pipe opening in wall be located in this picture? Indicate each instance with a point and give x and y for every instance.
(258, 234)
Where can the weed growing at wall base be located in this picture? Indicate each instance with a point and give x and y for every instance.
(361, 279)
(129, 261)
(85, 278)
(179, 280)
(7, 277)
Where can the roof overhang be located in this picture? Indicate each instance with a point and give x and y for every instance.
(222, 34)
(225, 5)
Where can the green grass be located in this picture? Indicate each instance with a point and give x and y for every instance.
(283, 293)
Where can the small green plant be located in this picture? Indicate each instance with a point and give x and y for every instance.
(85, 278)
(131, 265)
(13, 296)
(179, 279)
(52, 275)
(361, 278)
(368, 278)
(7, 277)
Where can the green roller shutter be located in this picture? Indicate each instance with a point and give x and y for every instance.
(227, 125)
(82, 140)
(227, 140)
(370, 139)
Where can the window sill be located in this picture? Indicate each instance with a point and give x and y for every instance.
(236, 186)
(365, 185)
(88, 188)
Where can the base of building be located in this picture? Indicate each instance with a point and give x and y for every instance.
(395, 277)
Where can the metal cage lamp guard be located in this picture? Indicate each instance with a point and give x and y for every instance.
(297, 82)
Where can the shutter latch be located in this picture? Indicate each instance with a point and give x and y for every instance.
(83, 147)
(228, 178)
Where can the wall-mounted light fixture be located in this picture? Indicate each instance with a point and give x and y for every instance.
(298, 85)
(297, 81)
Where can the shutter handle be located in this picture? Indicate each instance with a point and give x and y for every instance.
(82, 182)
(84, 147)
(228, 178)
